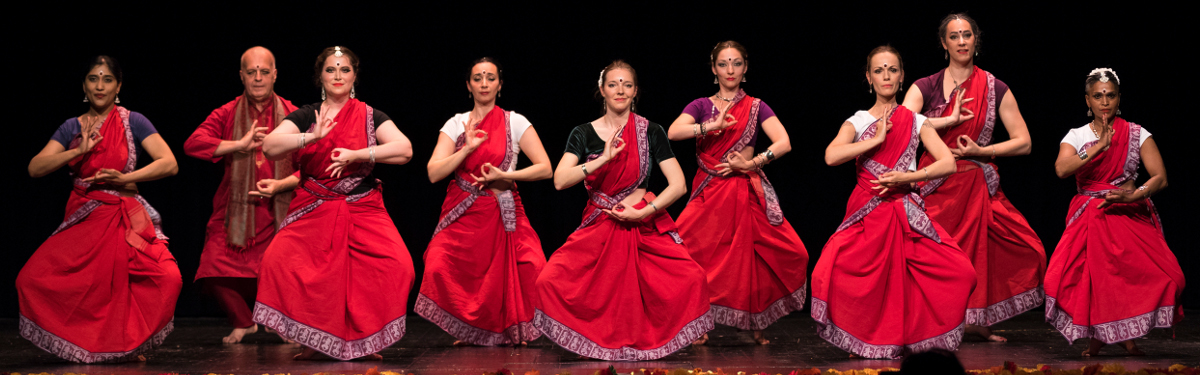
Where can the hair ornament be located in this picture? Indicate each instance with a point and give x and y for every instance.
(337, 51)
(600, 81)
(1104, 78)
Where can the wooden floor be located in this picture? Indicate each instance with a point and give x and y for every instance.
(195, 347)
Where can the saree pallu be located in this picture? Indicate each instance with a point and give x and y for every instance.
(103, 287)
(734, 228)
(337, 275)
(483, 261)
(622, 291)
(1112, 277)
(1008, 256)
(890, 281)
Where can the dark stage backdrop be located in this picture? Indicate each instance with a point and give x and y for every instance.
(807, 64)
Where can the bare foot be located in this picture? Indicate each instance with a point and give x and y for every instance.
(701, 340)
(237, 334)
(523, 343)
(985, 333)
(760, 338)
(462, 343)
(372, 357)
(1132, 348)
(306, 355)
(853, 356)
(139, 358)
(1093, 348)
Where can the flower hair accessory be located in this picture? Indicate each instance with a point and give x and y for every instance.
(600, 81)
(337, 51)
(1104, 78)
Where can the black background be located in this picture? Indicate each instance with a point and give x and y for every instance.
(180, 64)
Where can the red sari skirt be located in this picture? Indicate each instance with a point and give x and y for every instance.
(1008, 256)
(337, 278)
(102, 288)
(622, 291)
(479, 279)
(880, 289)
(1112, 277)
(756, 271)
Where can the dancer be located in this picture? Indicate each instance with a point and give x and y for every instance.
(1111, 278)
(103, 287)
(254, 194)
(623, 287)
(1008, 256)
(484, 258)
(732, 225)
(890, 281)
(336, 277)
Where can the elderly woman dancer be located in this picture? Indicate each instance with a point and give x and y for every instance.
(103, 287)
(337, 276)
(1112, 277)
(733, 225)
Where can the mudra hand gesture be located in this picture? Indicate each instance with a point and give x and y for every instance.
(253, 138)
(266, 188)
(89, 135)
(323, 125)
(614, 146)
(487, 174)
(723, 121)
(735, 162)
(960, 115)
(473, 136)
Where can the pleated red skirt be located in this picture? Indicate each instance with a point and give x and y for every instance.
(880, 289)
(337, 279)
(89, 294)
(1008, 256)
(756, 271)
(479, 279)
(622, 291)
(1112, 277)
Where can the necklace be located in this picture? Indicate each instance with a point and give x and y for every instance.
(723, 98)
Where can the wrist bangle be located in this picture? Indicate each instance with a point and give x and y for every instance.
(301, 140)
(769, 155)
(993, 151)
(372, 154)
(926, 169)
(653, 205)
(695, 130)
(1145, 191)
(1083, 155)
(584, 168)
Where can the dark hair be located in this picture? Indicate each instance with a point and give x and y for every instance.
(934, 361)
(486, 59)
(615, 65)
(113, 66)
(712, 59)
(881, 49)
(1095, 77)
(960, 16)
(325, 55)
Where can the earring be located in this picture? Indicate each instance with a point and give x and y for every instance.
(118, 101)
(743, 79)
(870, 90)
(85, 98)
(322, 93)
(947, 55)
(976, 53)
(499, 94)
(351, 92)
(714, 79)
(1118, 111)
(1090, 113)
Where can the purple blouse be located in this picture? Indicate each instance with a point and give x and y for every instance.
(931, 90)
(703, 109)
(138, 125)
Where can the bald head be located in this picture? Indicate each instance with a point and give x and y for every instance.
(258, 73)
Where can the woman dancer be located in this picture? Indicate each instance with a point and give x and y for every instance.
(103, 287)
(733, 226)
(623, 286)
(484, 258)
(336, 277)
(1112, 277)
(890, 280)
(1008, 256)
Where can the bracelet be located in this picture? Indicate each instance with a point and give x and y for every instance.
(301, 139)
(926, 169)
(1083, 155)
(584, 168)
(993, 151)
(1145, 191)
(769, 155)
(695, 130)
(702, 130)
(653, 205)
(372, 154)
(757, 166)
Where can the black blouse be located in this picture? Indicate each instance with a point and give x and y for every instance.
(584, 141)
(304, 117)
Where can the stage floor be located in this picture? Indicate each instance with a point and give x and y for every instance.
(195, 347)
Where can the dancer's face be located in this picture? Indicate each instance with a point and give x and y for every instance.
(618, 90)
(959, 41)
(729, 68)
(1103, 99)
(258, 75)
(885, 75)
(337, 77)
(485, 82)
(100, 86)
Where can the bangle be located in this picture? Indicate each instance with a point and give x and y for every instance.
(926, 169)
(702, 130)
(993, 151)
(301, 140)
(653, 205)
(1145, 191)
(372, 154)
(1083, 155)
(769, 155)
(584, 168)
(695, 130)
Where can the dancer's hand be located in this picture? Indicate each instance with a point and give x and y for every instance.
(488, 173)
(883, 126)
(473, 136)
(887, 181)
(723, 121)
(266, 188)
(342, 157)
(253, 138)
(966, 147)
(736, 163)
(323, 125)
(613, 146)
(960, 115)
(107, 176)
(88, 134)
(622, 213)
(1117, 196)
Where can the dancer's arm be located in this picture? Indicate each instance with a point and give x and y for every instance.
(1018, 142)
(164, 165)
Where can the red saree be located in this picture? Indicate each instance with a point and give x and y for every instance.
(890, 280)
(1112, 277)
(484, 258)
(103, 287)
(1008, 256)
(735, 230)
(337, 275)
(622, 291)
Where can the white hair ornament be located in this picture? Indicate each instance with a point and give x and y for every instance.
(1104, 78)
(337, 51)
